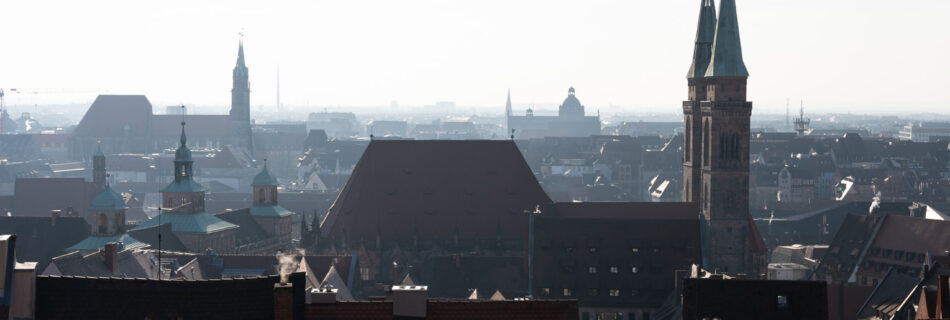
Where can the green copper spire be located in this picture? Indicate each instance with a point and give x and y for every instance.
(705, 35)
(99, 149)
(727, 49)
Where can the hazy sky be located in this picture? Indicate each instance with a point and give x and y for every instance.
(857, 56)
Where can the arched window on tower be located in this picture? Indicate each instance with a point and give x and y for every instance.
(260, 195)
(687, 148)
(103, 223)
(706, 141)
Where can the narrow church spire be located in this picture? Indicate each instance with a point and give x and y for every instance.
(705, 35)
(508, 104)
(183, 138)
(240, 59)
(727, 49)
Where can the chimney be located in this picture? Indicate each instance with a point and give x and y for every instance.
(54, 215)
(111, 256)
(323, 295)
(283, 301)
(409, 301)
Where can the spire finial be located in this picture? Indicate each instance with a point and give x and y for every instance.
(183, 139)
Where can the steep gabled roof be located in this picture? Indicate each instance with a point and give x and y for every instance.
(436, 187)
(115, 115)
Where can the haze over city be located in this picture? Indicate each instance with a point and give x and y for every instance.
(623, 56)
(468, 160)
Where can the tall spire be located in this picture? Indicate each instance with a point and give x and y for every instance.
(705, 35)
(508, 104)
(727, 49)
(240, 59)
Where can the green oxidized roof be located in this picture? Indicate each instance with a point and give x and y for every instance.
(108, 200)
(190, 223)
(705, 35)
(727, 49)
(264, 178)
(94, 243)
(183, 186)
(99, 150)
(270, 211)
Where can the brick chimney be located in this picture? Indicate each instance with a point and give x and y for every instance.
(409, 301)
(283, 301)
(111, 256)
(54, 215)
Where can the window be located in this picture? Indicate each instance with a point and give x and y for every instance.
(592, 249)
(592, 292)
(634, 292)
(635, 249)
(546, 291)
(634, 270)
(568, 292)
(781, 301)
(618, 316)
(632, 316)
(364, 273)
(614, 292)
(614, 270)
(592, 270)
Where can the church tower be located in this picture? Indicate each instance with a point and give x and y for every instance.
(274, 219)
(717, 125)
(183, 195)
(692, 115)
(240, 115)
(99, 170)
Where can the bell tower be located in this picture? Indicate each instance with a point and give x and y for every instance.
(717, 121)
(240, 115)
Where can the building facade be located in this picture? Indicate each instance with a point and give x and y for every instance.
(571, 121)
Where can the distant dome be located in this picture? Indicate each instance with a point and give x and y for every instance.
(108, 200)
(571, 106)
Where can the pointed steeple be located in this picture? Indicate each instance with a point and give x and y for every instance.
(727, 49)
(508, 104)
(240, 59)
(705, 35)
(183, 139)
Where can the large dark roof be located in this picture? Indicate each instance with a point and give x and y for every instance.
(627, 210)
(200, 125)
(38, 196)
(109, 115)
(116, 298)
(455, 309)
(39, 240)
(149, 235)
(436, 187)
(249, 232)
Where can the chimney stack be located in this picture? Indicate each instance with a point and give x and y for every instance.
(54, 215)
(323, 295)
(283, 301)
(409, 301)
(111, 256)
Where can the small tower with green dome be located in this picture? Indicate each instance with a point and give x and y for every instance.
(274, 219)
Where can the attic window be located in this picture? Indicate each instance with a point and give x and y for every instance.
(781, 302)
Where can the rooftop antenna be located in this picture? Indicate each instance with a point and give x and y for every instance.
(788, 119)
(801, 124)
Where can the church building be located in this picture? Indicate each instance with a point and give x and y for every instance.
(571, 121)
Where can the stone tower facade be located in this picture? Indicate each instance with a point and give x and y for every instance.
(240, 115)
(99, 170)
(716, 153)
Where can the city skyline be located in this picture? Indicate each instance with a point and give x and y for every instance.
(338, 55)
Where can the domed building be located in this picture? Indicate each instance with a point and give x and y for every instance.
(571, 121)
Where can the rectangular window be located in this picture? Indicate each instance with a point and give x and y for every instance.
(592, 270)
(568, 292)
(635, 249)
(614, 270)
(614, 292)
(546, 291)
(781, 302)
(618, 315)
(592, 292)
(634, 270)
